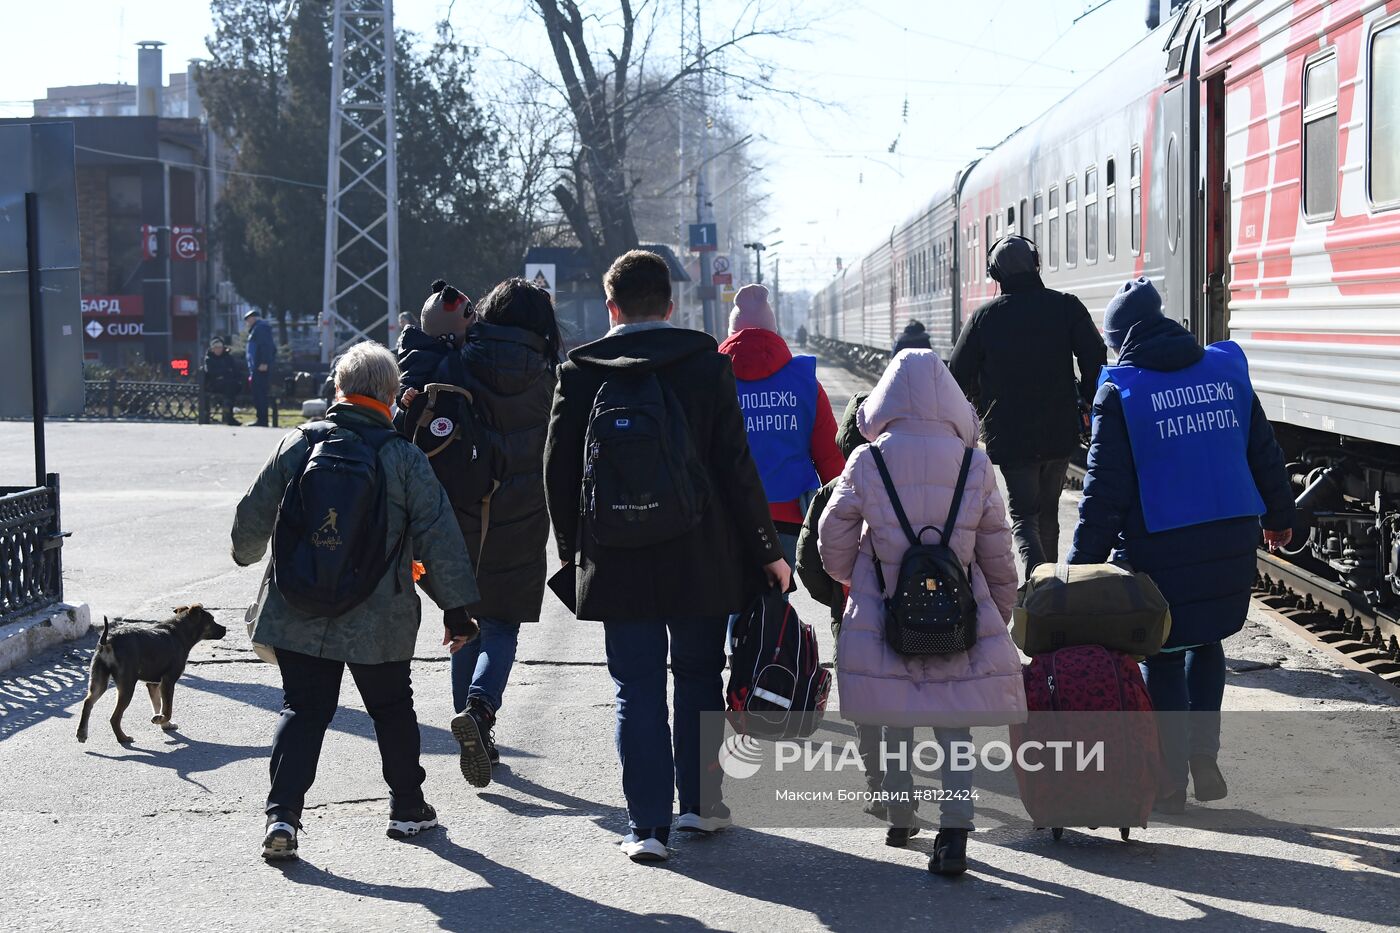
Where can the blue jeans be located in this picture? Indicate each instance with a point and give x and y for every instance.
(481, 669)
(899, 781)
(1180, 681)
(650, 767)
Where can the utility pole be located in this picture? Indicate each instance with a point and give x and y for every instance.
(703, 214)
(362, 187)
(777, 298)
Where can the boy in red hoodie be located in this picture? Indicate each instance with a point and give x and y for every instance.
(792, 432)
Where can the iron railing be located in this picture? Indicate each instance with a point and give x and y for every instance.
(868, 361)
(31, 562)
(120, 399)
(147, 401)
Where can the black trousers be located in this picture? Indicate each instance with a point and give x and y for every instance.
(1033, 499)
(311, 691)
(262, 393)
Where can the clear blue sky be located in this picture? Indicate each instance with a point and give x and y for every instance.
(971, 73)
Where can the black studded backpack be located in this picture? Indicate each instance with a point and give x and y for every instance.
(932, 609)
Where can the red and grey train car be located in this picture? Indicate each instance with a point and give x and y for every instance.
(1245, 156)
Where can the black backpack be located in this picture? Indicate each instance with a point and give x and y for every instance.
(777, 685)
(328, 543)
(643, 482)
(445, 423)
(932, 610)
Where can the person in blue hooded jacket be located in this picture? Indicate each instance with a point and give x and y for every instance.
(1183, 470)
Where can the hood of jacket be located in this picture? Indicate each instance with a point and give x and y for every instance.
(918, 390)
(413, 337)
(1161, 344)
(643, 350)
(507, 360)
(756, 353)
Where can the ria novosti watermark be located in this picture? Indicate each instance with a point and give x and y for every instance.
(742, 757)
(1323, 769)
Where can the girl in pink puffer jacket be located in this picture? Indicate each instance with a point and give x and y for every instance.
(922, 424)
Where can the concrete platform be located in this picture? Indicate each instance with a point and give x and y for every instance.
(165, 834)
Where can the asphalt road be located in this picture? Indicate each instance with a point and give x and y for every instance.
(164, 835)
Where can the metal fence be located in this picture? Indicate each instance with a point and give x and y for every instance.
(868, 361)
(31, 564)
(150, 401)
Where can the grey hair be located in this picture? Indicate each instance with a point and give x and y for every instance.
(368, 369)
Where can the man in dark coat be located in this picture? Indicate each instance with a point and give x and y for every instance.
(508, 365)
(1015, 359)
(913, 337)
(262, 355)
(1195, 528)
(223, 377)
(685, 587)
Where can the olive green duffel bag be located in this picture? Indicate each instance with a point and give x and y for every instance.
(1090, 604)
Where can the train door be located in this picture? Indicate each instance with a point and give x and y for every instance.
(1176, 151)
(1214, 234)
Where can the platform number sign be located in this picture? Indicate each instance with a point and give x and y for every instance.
(704, 238)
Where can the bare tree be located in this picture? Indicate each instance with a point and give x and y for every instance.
(596, 185)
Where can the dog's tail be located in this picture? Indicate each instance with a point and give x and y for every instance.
(106, 624)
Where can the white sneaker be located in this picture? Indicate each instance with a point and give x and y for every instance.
(279, 842)
(644, 850)
(695, 823)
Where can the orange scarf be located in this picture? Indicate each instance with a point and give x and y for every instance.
(364, 401)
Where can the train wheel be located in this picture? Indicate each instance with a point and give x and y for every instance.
(1056, 832)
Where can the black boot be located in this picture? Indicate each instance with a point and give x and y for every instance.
(949, 852)
(472, 730)
(904, 825)
(1207, 783)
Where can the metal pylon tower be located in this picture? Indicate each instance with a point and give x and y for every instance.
(362, 217)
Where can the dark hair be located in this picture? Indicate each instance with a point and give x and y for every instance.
(639, 283)
(520, 303)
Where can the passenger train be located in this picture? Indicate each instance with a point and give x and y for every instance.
(1244, 156)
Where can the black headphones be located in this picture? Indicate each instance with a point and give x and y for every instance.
(1010, 236)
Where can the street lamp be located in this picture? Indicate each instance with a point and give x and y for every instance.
(758, 249)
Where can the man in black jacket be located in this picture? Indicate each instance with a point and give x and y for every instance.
(223, 376)
(686, 586)
(1015, 359)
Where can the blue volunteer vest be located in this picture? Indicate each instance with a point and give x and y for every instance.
(1189, 432)
(779, 413)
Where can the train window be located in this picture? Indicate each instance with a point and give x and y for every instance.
(982, 257)
(1038, 221)
(1110, 212)
(1071, 222)
(1135, 200)
(1384, 155)
(1010, 220)
(1052, 223)
(1320, 136)
(1023, 218)
(1091, 215)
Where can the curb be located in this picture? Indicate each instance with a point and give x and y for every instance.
(32, 635)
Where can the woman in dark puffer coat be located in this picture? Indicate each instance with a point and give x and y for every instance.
(509, 359)
(1205, 570)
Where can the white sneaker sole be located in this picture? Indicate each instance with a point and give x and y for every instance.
(646, 850)
(402, 829)
(694, 823)
(280, 848)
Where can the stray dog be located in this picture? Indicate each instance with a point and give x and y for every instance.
(155, 654)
